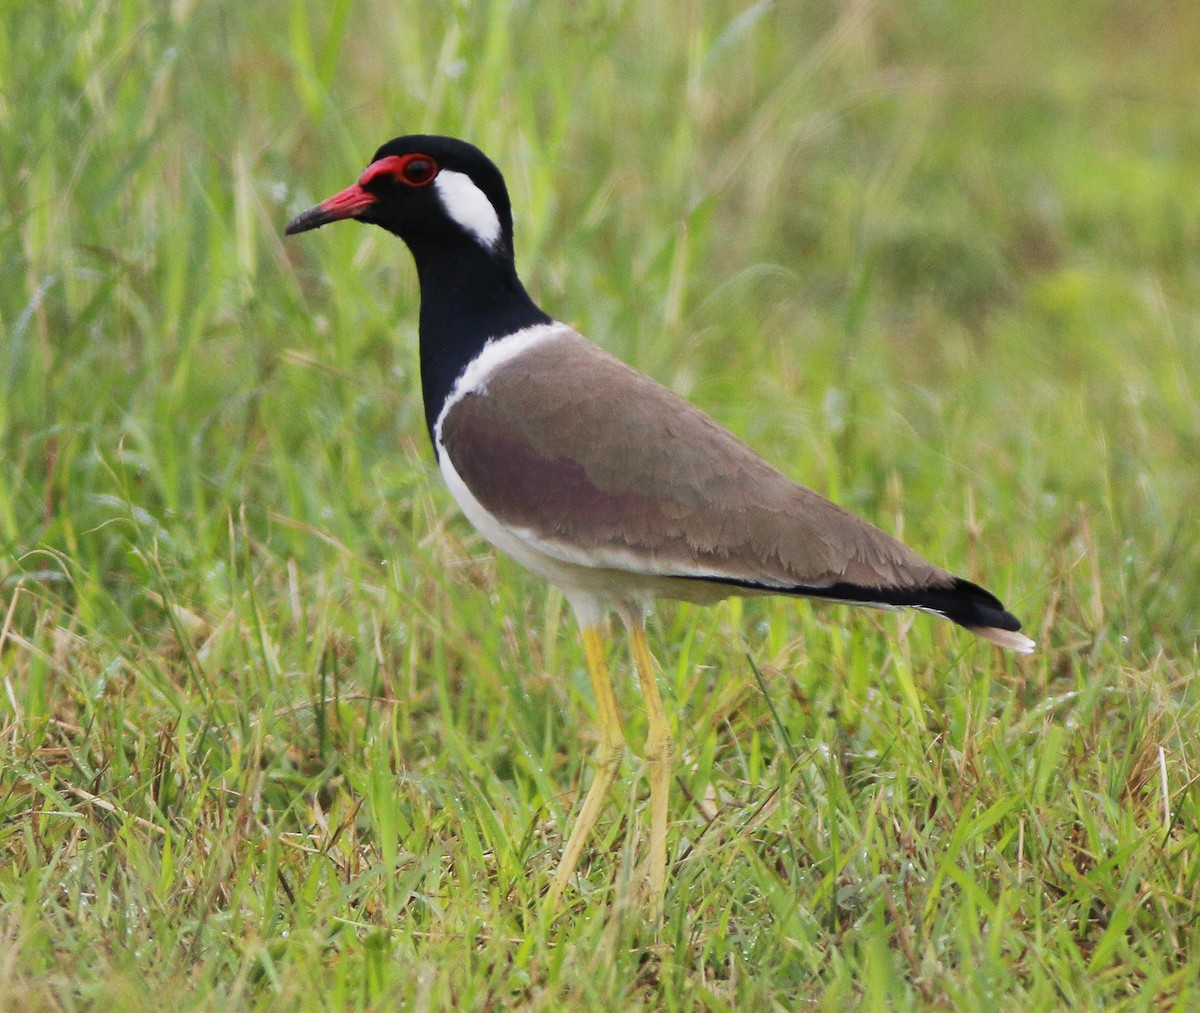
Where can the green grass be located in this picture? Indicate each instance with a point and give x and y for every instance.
(278, 731)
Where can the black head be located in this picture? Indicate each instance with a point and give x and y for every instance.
(448, 202)
(425, 189)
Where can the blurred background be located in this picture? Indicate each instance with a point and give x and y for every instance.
(938, 260)
(952, 237)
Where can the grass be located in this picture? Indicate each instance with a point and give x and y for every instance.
(280, 732)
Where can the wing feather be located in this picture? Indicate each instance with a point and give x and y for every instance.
(597, 463)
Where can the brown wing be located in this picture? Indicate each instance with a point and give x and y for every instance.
(601, 464)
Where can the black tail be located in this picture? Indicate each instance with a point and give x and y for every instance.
(963, 602)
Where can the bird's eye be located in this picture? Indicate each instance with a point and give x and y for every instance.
(417, 170)
(411, 170)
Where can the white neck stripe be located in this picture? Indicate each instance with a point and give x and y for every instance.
(494, 354)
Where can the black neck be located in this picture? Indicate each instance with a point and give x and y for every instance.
(468, 296)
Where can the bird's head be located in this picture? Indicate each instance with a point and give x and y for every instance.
(425, 189)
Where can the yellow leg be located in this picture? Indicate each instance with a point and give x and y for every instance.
(609, 751)
(659, 754)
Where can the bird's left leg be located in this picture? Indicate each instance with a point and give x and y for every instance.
(659, 754)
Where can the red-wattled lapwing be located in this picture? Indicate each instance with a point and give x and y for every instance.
(596, 477)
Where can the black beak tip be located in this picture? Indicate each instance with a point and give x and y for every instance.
(313, 218)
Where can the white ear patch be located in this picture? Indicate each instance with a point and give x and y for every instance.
(468, 205)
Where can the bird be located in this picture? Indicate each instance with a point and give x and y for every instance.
(599, 479)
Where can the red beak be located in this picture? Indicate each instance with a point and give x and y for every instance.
(350, 203)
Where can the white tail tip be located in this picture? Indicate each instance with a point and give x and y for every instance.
(1008, 639)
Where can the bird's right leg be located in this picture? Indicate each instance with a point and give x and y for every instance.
(609, 751)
